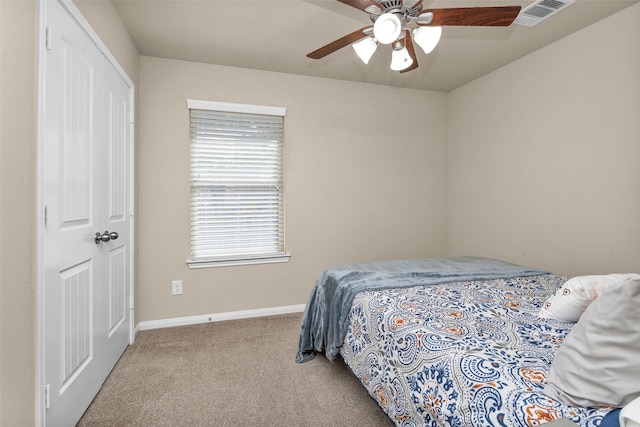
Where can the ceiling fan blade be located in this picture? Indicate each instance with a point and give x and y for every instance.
(340, 43)
(494, 16)
(408, 43)
(362, 4)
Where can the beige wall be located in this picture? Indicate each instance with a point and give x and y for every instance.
(17, 207)
(543, 155)
(361, 182)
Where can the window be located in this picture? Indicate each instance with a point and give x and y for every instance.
(237, 194)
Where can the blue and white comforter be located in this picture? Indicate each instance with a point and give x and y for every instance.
(324, 324)
(462, 353)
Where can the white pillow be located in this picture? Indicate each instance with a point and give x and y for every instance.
(630, 414)
(598, 363)
(575, 295)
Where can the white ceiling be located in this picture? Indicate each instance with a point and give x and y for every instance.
(276, 35)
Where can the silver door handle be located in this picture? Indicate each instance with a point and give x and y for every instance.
(105, 237)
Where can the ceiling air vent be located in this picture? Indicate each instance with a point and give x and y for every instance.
(540, 10)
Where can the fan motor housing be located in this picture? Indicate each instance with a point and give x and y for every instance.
(406, 14)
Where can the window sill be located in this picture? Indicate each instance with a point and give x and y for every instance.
(228, 262)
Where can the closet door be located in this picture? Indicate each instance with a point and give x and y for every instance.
(115, 215)
(86, 283)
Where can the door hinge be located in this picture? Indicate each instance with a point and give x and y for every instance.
(131, 117)
(130, 303)
(47, 38)
(47, 396)
(46, 216)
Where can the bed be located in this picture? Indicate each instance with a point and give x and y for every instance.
(444, 342)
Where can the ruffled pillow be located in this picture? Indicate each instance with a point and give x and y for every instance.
(575, 295)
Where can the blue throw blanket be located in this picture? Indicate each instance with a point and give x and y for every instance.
(324, 324)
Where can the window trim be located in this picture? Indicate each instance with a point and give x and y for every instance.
(246, 260)
(231, 107)
(249, 259)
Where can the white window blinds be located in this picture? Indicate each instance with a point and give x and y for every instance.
(237, 203)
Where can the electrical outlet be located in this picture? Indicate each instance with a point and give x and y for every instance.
(176, 287)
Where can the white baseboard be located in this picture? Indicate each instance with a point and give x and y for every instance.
(217, 317)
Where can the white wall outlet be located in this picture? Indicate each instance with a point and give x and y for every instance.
(176, 287)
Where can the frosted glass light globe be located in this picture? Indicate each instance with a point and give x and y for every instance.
(387, 28)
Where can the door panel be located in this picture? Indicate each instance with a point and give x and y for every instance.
(77, 132)
(71, 260)
(77, 330)
(117, 286)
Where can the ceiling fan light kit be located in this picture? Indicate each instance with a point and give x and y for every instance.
(427, 37)
(365, 48)
(387, 28)
(400, 58)
(393, 20)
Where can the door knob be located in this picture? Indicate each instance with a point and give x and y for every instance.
(105, 237)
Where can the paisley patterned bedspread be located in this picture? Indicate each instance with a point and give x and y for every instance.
(467, 353)
(324, 324)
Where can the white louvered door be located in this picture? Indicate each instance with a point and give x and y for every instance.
(85, 192)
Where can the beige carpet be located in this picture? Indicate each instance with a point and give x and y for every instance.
(235, 373)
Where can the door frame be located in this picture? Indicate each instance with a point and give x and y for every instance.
(41, 23)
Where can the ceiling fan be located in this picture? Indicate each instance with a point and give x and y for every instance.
(399, 23)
